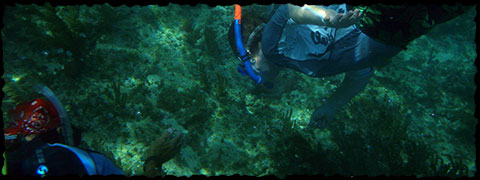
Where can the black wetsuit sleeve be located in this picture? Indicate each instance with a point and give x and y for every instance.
(105, 166)
(23, 161)
(273, 31)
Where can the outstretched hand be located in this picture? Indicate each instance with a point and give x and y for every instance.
(321, 117)
(162, 149)
(342, 20)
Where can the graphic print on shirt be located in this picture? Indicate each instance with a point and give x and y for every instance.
(307, 41)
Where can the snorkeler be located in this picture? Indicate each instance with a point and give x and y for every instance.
(323, 41)
(35, 146)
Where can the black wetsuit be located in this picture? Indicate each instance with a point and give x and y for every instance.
(399, 24)
(59, 159)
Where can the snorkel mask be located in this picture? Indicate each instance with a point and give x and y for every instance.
(64, 122)
(245, 68)
(38, 116)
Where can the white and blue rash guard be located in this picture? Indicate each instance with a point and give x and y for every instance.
(320, 51)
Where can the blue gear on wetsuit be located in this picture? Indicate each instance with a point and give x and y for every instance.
(36, 156)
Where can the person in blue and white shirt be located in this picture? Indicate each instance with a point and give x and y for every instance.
(323, 41)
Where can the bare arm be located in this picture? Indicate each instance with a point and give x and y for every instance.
(353, 84)
(320, 15)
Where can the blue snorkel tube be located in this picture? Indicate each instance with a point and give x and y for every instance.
(246, 69)
(66, 128)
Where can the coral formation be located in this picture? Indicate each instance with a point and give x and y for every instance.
(126, 73)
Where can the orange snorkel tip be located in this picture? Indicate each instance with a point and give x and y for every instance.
(238, 13)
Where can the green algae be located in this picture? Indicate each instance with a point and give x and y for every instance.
(132, 72)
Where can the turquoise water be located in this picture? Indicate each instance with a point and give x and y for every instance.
(125, 74)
